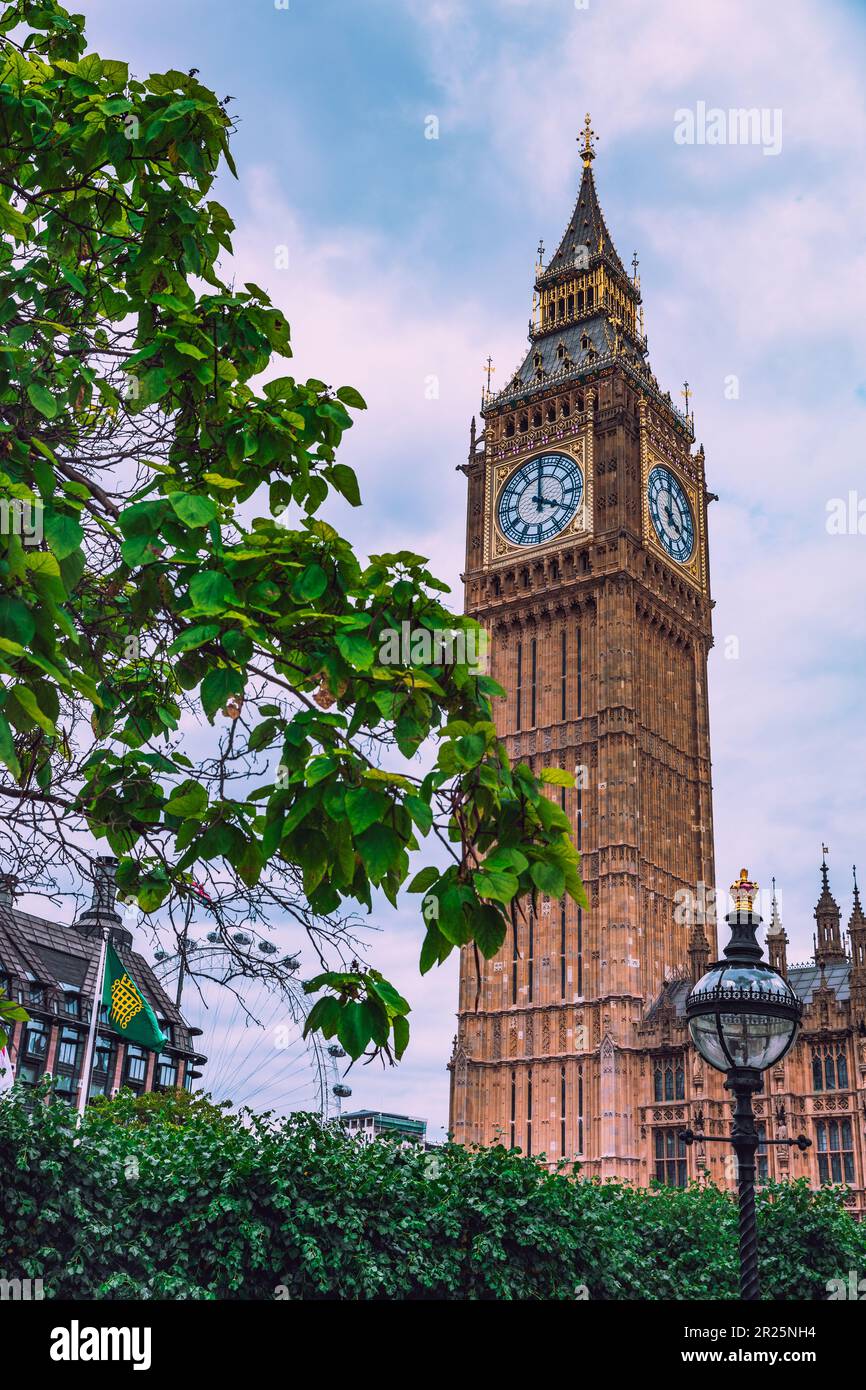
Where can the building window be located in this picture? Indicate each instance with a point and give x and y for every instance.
(670, 1158)
(104, 1057)
(36, 1039)
(513, 1107)
(36, 994)
(835, 1150)
(514, 957)
(669, 1079)
(529, 1112)
(762, 1166)
(135, 1070)
(72, 1005)
(829, 1068)
(69, 1050)
(166, 1071)
(530, 955)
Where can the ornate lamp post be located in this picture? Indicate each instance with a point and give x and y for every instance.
(743, 1017)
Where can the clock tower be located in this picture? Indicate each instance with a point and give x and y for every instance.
(587, 564)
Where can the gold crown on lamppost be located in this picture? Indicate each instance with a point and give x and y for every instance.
(744, 892)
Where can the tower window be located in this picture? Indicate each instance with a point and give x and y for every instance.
(536, 419)
(565, 410)
(580, 301)
(519, 702)
(589, 297)
(509, 427)
(530, 962)
(529, 1112)
(579, 673)
(533, 682)
(560, 309)
(580, 953)
(563, 672)
(580, 1110)
(551, 414)
(580, 405)
(570, 305)
(562, 950)
(584, 341)
(514, 958)
(513, 1107)
(524, 424)
(562, 1110)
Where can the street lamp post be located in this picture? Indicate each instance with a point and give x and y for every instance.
(743, 1017)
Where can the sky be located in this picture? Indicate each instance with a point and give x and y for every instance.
(411, 258)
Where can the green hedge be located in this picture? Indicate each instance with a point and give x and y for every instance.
(169, 1197)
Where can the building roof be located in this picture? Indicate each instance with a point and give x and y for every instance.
(58, 955)
(586, 227)
(803, 979)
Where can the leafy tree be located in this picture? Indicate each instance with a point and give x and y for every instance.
(164, 559)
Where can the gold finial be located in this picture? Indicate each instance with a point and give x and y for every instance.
(489, 369)
(744, 892)
(589, 137)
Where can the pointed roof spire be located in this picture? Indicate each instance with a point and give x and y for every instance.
(829, 949)
(775, 920)
(586, 235)
(858, 919)
(589, 141)
(777, 939)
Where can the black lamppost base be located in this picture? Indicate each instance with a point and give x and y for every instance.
(744, 1082)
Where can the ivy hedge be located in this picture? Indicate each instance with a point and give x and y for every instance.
(170, 1197)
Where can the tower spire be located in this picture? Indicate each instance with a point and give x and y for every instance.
(828, 947)
(777, 939)
(857, 940)
(590, 139)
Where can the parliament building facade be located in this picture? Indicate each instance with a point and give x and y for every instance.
(587, 563)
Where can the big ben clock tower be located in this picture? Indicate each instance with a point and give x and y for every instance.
(587, 564)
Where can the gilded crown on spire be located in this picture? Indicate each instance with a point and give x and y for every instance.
(589, 141)
(744, 892)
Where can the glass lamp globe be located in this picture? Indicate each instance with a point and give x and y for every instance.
(742, 1013)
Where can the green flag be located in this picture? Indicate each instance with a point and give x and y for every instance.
(128, 1011)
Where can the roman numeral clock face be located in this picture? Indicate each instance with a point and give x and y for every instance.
(671, 514)
(540, 499)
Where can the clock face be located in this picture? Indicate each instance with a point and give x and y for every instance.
(671, 514)
(540, 499)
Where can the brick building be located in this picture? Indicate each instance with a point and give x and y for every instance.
(587, 563)
(51, 969)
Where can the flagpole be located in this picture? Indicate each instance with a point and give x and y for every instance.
(94, 1024)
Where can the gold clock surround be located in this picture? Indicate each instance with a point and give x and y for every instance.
(497, 547)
